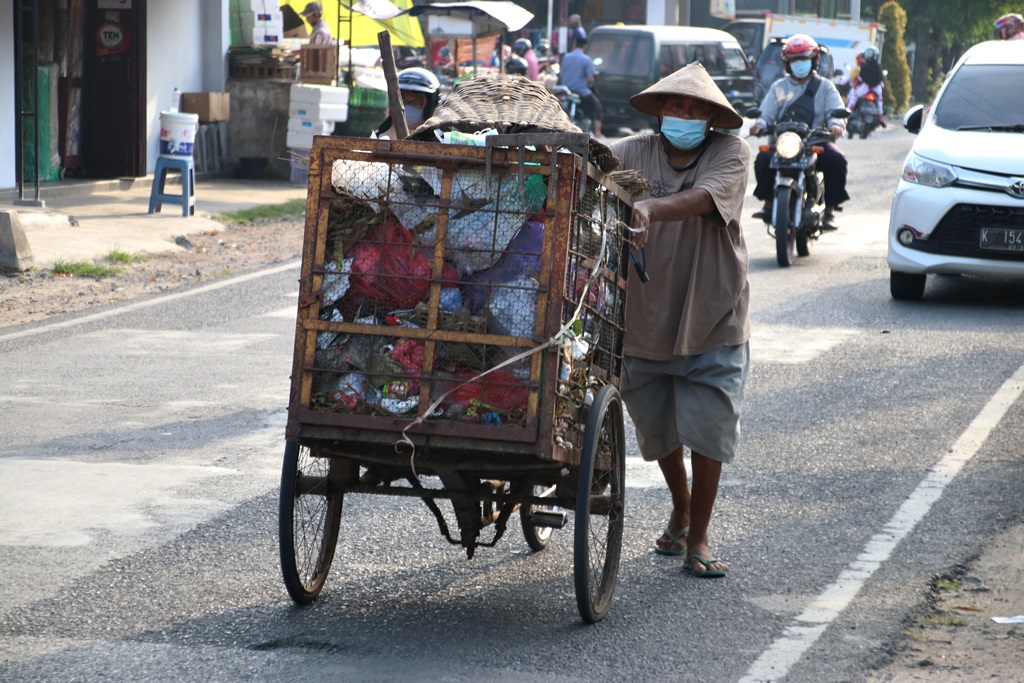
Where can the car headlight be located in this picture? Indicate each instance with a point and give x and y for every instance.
(924, 172)
(789, 145)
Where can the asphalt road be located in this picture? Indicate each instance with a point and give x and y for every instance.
(141, 453)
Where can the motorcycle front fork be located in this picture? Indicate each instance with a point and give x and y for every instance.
(810, 217)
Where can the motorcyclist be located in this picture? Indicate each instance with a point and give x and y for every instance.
(420, 91)
(870, 78)
(1010, 27)
(523, 48)
(804, 96)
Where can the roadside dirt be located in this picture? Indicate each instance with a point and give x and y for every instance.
(951, 639)
(234, 249)
(954, 638)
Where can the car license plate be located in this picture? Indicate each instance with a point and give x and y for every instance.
(1001, 239)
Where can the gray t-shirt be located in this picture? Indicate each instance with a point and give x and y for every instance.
(698, 297)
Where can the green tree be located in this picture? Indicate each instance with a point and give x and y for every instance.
(894, 57)
(942, 31)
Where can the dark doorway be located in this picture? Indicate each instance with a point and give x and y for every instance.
(116, 86)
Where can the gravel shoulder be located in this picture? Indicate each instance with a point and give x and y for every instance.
(200, 257)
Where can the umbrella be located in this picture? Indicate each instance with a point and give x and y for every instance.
(405, 29)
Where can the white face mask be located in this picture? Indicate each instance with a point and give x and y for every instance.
(413, 115)
(800, 68)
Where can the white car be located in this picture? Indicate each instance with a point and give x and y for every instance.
(959, 206)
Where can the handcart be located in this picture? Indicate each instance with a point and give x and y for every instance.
(458, 340)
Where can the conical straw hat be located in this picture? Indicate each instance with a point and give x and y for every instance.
(690, 81)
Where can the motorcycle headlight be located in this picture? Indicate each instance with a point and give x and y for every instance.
(789, 145)
(924, 172)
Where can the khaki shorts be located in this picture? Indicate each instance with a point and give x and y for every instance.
(694, 401)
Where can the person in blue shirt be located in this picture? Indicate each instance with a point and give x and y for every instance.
(577, 74)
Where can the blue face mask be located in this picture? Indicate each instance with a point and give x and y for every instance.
(684, 133)
(413, 115)
(800, 68)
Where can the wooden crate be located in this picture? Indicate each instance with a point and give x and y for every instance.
(459, 206)
(318, 64)
(280, 71)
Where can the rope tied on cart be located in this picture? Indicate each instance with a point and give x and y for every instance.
(566, 335)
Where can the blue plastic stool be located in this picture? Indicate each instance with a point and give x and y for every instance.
(186, 167)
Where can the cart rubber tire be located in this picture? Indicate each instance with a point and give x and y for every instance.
(785, 235)
(309, 518)
(537, 537)
(600, 501)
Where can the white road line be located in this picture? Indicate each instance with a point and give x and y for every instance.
(775, 662)
(156, 301)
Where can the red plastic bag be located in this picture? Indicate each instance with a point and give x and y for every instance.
(388, 268)
(500, 389)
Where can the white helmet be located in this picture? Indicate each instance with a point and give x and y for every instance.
(418, 79)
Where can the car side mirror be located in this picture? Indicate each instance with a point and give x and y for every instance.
(912, 119)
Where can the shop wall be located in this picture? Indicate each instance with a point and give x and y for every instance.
(175, 53)
(8, 115)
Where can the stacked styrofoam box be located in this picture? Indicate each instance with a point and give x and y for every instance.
(257, 22)
(312, 110)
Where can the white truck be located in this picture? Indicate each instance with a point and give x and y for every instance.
(845, 38)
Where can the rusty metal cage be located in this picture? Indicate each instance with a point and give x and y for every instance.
(469, 297)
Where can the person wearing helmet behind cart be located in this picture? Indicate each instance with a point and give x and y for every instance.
(420, 95)
(524, 48)
(870, 78)
(1010, 27)
(804, 96)
(517, 65)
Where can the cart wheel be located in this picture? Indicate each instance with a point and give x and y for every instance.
(310, 515)
(600, 497)
(537, 537)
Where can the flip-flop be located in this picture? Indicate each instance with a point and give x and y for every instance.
(708, 572)
(674, 538)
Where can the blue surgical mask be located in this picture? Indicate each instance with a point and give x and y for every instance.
(684, 133)
(413, 115)
(800, 68)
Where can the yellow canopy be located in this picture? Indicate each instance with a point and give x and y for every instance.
(405, 30)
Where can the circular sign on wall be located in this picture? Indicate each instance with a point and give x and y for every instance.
(111, 39)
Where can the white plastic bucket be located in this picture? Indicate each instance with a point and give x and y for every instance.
(177, 133)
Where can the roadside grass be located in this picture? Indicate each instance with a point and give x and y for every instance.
(83, 269)
(941, 619)
(118, 255)
(948, 584)
(293, 208)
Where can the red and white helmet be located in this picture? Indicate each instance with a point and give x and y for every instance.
(800, 46)
(1008, 26)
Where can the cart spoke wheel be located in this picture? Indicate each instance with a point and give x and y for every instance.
(600, 498)
(310, 515)
(537, 537)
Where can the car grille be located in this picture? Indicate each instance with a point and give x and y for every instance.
(957, 234)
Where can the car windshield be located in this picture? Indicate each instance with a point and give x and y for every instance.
(622, 55)
(980, 96)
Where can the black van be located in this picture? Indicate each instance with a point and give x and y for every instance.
(629, 59)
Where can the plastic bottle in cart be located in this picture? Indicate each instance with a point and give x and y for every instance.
(175, 100)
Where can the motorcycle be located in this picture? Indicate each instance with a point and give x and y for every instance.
(797, 218)
(865, 116)
(570, 102)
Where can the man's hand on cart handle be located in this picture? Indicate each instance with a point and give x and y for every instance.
(641, 221)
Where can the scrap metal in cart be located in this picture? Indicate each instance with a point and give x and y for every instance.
(458, 340)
